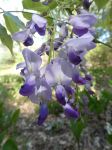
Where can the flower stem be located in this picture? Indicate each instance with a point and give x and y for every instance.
(97, 41)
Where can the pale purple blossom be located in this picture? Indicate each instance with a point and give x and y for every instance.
(82, 23)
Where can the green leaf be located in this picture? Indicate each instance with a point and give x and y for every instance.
(52, 5)
(77, 128)
(15, 116)
(101, 3)
(110, 83)
(1, 109)
(29, 4)
(98, 105)
(12, 22)
(6, 39)
(109, 138)
(10, 144)
(49, 21)
(28, 16)
(2, 136)
(54, 108)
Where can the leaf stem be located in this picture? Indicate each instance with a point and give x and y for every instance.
(51, 45)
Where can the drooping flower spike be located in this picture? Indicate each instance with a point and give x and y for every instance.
(65, 72)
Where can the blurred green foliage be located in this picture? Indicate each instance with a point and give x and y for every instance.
(55, 108)
(8, 121)
(8, 116)
(9, 86)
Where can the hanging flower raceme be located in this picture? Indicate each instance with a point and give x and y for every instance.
(64, 73)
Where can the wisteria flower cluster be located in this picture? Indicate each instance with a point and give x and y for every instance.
(65, 72)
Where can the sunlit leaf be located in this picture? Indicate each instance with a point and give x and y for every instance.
(13, 23)
(101, 3)
(38, 6)
(52, 4)
(5, 38)
(49, 20)
(28, 16)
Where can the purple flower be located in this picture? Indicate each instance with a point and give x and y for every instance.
(29, 41)
(88, 77)
(74, 58)
(40, 30)
(88, 88)
(80, 43)
(58, 42)
(29, 86)
(32, 61)
(60, 94)
(69, 90)
(86, 4)
(27, 89)
(82, 23)
(70, 112)
(30, 72)
(41, 49)
(23, 36)
(40, 24)
(30, 27)
(20, 36)
(43, 113)
(37, 23)
(90, 46)
(54, 74)
(42, 94)
(78, 79)
(80, 31)
(74, 49)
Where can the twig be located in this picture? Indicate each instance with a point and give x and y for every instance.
(21, 11)
(97, 41)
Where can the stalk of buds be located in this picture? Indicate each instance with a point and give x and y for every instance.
(64, 73)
